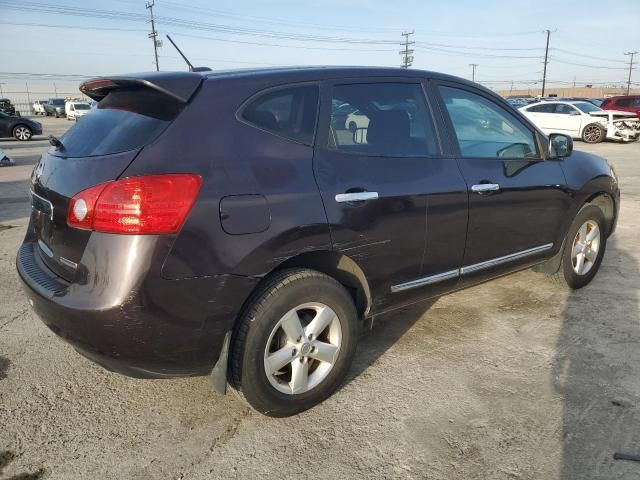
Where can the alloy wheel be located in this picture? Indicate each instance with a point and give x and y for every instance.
(302, 348)
(592, 133)
(585, 248)
(23, 133)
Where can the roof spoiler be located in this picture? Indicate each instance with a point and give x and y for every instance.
(179, 85)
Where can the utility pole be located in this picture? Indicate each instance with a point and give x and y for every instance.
(407, 53)
(630, 68)
(473, 71)
(511, 89)
(154, 34)
(26, 84)
(55, 89)
(1, 93)
(546, 60)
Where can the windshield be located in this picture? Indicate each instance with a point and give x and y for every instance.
(57, 102)
(587, 107)
(82, 106)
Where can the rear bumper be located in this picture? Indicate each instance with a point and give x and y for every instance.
(119, 312)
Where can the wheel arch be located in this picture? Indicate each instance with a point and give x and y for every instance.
(338, 266)
(605, 202)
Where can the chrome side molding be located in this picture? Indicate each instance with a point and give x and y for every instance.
(507, 258)
(448, 275)
(439, 277)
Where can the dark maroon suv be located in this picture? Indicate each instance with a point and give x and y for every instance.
(242, 224)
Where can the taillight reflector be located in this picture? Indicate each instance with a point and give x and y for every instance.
(153, 204)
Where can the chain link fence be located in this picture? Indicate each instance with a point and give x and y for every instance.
(23, 101)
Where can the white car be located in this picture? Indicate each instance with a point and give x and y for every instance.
(584, 120)
(75, 110)
(38, 107)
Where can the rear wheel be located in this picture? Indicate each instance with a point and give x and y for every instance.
(22, 133)
(593, 133)
(584, 248)
(294, 343)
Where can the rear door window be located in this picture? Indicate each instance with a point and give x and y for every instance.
(289, 112)
(124, 120)
(544, 108)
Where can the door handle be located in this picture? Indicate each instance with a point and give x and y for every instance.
(356, 197)
(485, 187)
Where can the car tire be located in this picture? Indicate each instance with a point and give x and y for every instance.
(283, 308)
(22, 133)
(56, 114)
(584, 248)
(593, 133)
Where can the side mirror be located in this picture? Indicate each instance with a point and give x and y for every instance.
(560, 146)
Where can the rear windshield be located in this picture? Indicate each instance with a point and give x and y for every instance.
(58, 101)
(124, 120)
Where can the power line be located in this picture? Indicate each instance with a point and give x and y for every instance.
(407, 53)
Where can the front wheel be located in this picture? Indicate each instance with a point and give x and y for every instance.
(584, 248)
(22, 133)
(294, 343)
(593, 133)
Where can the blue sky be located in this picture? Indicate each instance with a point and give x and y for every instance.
(451, 35)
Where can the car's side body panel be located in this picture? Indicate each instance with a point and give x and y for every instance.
(234, 159)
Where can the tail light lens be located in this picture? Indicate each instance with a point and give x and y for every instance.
(154, 204)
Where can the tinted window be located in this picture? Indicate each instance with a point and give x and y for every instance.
(544, 108)
(564, 109)
(623, 102)
(484, 129)
(124, 120)
(635, 102)
(587, 107)
(290, 112)
(381, 119)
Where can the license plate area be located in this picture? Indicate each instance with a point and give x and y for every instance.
(42, 206)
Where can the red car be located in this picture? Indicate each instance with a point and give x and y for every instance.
(629, 103)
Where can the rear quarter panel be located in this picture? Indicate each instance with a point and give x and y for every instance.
(236, 159)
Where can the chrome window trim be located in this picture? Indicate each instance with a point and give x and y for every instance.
(450, 274)
(507, 258)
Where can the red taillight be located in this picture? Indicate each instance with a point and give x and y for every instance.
(154, 204)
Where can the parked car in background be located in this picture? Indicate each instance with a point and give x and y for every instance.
(255, 258)
(55, 107)
(518, 102)
(38, 107)
(19, 128)
(595, 101)
(7, 107)
(582, 120)
(75, 110)
(630, 103)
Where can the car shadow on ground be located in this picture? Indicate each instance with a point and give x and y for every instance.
(596, 371)
(383, 333)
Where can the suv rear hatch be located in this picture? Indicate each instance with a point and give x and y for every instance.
(132, 112)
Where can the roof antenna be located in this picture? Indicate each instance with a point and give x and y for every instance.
(191, 67)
